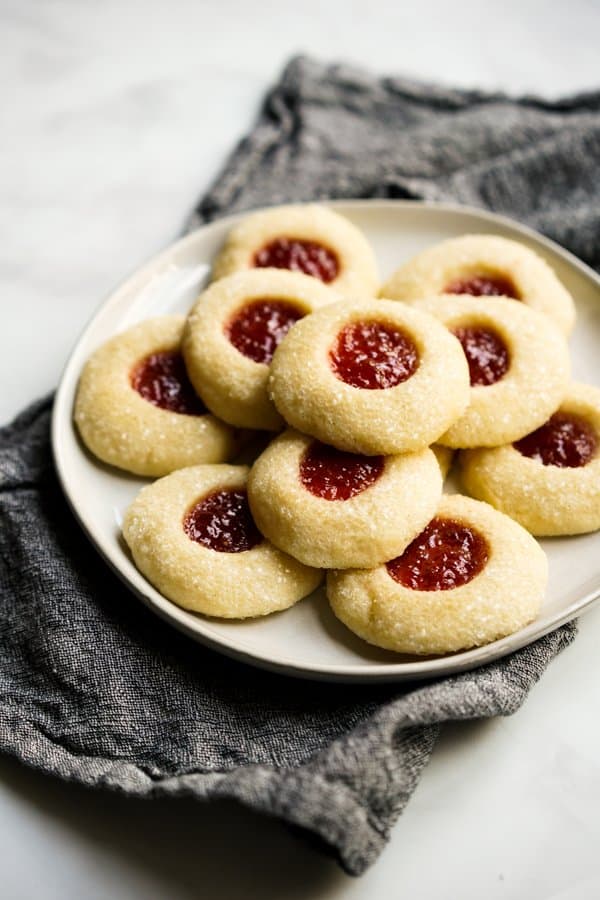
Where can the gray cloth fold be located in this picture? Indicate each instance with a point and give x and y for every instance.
(93, 687)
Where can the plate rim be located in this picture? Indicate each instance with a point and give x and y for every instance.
(174, 615)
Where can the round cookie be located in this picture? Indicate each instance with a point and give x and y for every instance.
(370, 376)
(333, 509)
(136, 409)
(550, 480)
(232, 333)
(484, 265)
(306, 238)
(471, 577)
(519, 367)
(191, 534)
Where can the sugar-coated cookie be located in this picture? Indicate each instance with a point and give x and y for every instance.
(306, 238)
(136, 409)
(232, 333)
(192, 535)
(370, 376)
(473, 576)
(518, 362)
(484, 265)
(333, 509)
(550, 480)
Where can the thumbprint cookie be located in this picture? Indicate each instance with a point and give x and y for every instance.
(231, 336)
(333, 509)
(136, 409)
(484, 265)
(519, 367)
(472, 576)
(370, 376)
(192, 535)
(306, 238)
(549, 481)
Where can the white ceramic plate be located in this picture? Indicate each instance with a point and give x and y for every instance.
(307, 640)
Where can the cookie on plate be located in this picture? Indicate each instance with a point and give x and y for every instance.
(232, 333)
(192, 535)
(306, 238)
(136, 409)
(518, 364)
(333, 509)
(484, 265)
(549, 481)
(473, 576)
(370, 376)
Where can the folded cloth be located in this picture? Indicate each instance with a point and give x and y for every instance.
(93, 687)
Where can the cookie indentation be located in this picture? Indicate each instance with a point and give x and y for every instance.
(446, 555)
(335, 475)
(486, 353)
(298, 255)
(565, 440)
(373, 355)
(257, 329)
(222, 521)
(483, 286)
(162, 380)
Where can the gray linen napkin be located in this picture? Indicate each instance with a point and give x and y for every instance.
(93, 687)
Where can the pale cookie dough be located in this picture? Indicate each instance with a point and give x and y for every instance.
(232, 585)
(536, 377)
(545, 499)
(232, 384)
(504, 596)
(354, 266)
(399, 419)
(374, 523)
(120, 427)
(445, 458)
(530, 279)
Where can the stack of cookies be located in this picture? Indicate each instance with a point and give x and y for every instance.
(362, 394)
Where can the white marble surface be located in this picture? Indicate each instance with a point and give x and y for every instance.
(115, 116)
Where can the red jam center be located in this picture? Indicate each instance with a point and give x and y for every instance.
(373, 355)
(335, 475)
(258, 328)
(299, 256)
(565, 441)
(162, 380)
(446, 555)
(483, 286)
(486, 354)
(222, 521)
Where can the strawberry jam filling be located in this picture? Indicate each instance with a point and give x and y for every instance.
(565, 441)
(334, 475)
(309, 257)
(486, 354)
(258, 328)
(162, 380)
(446, 555)
(222, 521)
(373, 355)
(483, 286)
